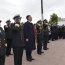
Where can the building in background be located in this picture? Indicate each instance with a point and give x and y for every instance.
(61, 21)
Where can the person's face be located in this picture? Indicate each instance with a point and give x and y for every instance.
(30, 18)
(17, 20)
(8, 23)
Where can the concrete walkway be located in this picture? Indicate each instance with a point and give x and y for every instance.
(54, 56)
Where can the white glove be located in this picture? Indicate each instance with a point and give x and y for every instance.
(16, 25)
(6, 45)
(27, 40)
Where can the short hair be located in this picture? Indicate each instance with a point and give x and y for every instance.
(45, 21)
(39, 21)
(27, 16)
(8, 21)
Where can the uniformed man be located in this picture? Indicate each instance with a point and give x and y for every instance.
(45, 34)
(39, 37)
(52, 32)
(56, 32)
(2, 46)
(63, 29)
(60, 33)
(17, 40)
(8, 38)
(49, 31)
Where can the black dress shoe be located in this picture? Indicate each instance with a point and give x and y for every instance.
(42, 52)
(7, 55)
(10, 54)
(30, 60)
(39, 53)
(52, 39)
(46, 48)
(48, 42)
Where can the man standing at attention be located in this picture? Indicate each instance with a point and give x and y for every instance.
(29, 38)
(17, 40)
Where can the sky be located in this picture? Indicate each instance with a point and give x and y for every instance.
(9, 8)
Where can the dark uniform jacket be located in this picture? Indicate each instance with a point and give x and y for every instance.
(29, 34)
(2, 42)
(17, 36)
(45, 34)
(8, 32)
(39, 33)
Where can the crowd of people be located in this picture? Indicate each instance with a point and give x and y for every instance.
(27, 37)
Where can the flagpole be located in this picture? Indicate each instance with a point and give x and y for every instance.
(42, 16)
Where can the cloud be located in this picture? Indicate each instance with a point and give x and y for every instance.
(9, 8)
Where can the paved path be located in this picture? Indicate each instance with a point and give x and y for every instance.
(54, 56)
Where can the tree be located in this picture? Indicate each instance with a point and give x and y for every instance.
(53, 19)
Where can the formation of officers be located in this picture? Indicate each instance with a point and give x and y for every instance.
(26, 37)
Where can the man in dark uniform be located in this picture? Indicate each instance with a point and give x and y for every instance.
(29, 37)
(45, 34)
(56, 32)
(52, 32)
(63, 29)
(8, 38)
(2, 46)
(17, 40)
(60, 34)
(39, 37)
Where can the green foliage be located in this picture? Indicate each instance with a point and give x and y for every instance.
(53, 19)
